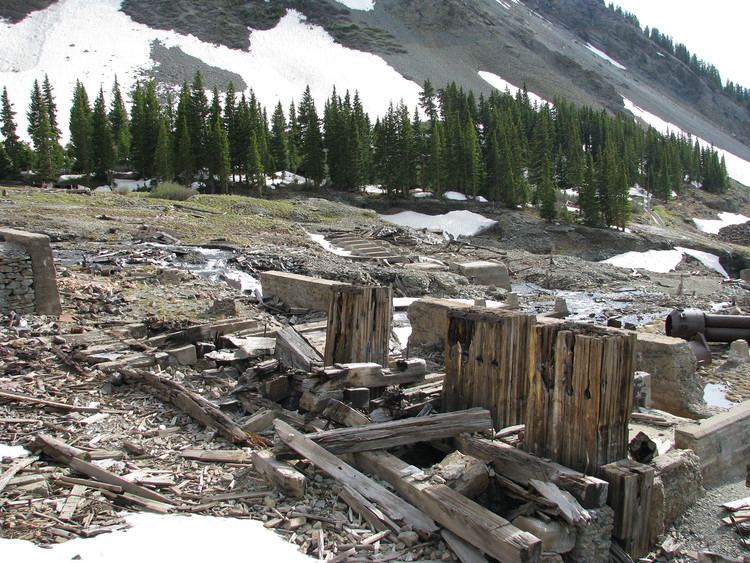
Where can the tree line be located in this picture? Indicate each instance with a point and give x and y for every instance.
(500, 146)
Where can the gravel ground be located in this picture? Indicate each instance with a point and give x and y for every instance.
(700, 528)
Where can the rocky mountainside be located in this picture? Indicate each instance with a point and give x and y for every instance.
(576, 49)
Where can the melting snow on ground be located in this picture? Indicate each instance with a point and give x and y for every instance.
(364, 5)
(93, 41)
(737, 168)
(664, 261)
(713, 226)
(13, 452)
(455, 196)
(604, 56)
(502, 85)
(321, 240)
(154, 537)
(454, 224)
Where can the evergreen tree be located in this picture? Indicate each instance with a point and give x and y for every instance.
(434, 172)
(184, 166)
(279, 145)
(197, 120)
(11, 141)
(103, 147)
(313, 157)
(81, 131)
(119, 121)
(49, 100)
(427, 100)
(547, 192)
(587, 196)
(256, 176)
(44, 147)
(33, 115)
(163, 168)
(293, 138)
(218, 156)
(231, 128)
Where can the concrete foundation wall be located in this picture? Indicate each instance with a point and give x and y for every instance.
(46, 295)
(298, 291)
(720, 442)
(16, 280)
(429, 321)
(675, 387)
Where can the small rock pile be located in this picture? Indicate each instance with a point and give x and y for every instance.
(737, 234)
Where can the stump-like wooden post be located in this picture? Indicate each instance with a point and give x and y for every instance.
(486, 362)
(581, 395)
(359, 325)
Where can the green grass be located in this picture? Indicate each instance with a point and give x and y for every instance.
(172, 191)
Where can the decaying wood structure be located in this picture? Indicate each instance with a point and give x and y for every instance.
(487, 361)
(359, 325)
(580, 395)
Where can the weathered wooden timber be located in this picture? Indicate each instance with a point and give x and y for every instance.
(359, 325)
(487, 361)
(580, 394)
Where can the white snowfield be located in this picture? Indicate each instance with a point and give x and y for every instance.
(737, 168)
(94, 41)
(363, 5)
(153, 537)
(713, 226)
(605, 56)
(502, 85)
(454, 223)
(321, 240)
(13, 452)
(664, 261)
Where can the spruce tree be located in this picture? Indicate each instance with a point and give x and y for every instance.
(44, 147)
(81, 131)
(197, 120)
(163, 168)
(218, 156)
(49, 100)
(230, 126)
(587, 196)
(118, 119)
(256, 176)
(102, 143)
(313, 157)
(11, 141)
(184, 166)
(279, 145)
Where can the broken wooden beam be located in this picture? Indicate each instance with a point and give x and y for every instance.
(521, 466)
(374, 496)
(216, 456)
(344, 414)
(385, 435)
(45, 403)
(209, 331)
(194, 405)
(294, 351)
(289, 481)
(630, 485)
(60, 452)
(482, 528)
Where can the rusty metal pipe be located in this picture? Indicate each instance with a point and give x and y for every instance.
(687, 323)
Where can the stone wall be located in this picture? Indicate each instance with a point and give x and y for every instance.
(16, 280)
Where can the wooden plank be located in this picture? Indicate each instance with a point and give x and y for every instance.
(294, 351)
(739, 504)
(570, 510)
(209, 331)
(400, 432)
(43, 402)
(260, 421)
(17, 466)
(482, 528)
(392, 506)
(521, 466)
(630, 485)
(216, 456)
(74, 498)
(290, 481)
(465, 552)
(50, 446)
(344, 414)
(89, 484)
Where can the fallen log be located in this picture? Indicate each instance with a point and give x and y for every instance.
(473, 523)
(400, 432)
(369, 494)
(60, 452)
(194, 405)
(521, 466)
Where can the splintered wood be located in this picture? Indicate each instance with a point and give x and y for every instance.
(486, 362)
(359, 325)
(580, 395)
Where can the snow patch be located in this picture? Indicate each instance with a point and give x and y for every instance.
(500, 84)
(605, 56)
(372, 189)
(455, 223)
(93, 41)
(321, 240)
(713, 226)
(155, 537)
(737, 168)
(455, 196)
(363, 5)
(13, 452)
(664, 261)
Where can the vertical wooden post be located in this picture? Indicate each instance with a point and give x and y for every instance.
(580, 395)
(359, 325)
(486, 360)
(630, 485)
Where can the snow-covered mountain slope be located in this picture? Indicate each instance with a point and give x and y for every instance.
(385, 49)
(93, 41)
